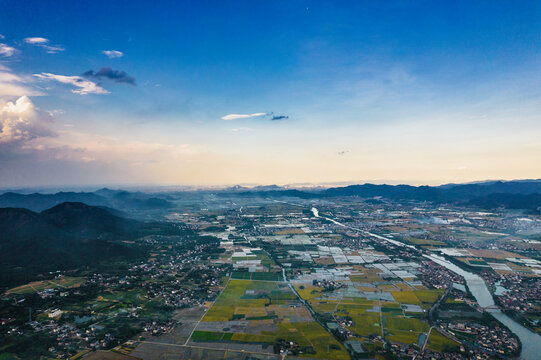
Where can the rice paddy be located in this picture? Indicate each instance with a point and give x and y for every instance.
(265, 312)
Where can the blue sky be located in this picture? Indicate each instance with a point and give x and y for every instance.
(418, 92)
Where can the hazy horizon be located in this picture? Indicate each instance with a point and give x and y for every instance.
(181, 187)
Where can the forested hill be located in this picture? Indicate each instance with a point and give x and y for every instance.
(66, 236)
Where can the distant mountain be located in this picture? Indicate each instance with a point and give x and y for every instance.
(240, 188)
(490, 182)
(267, 188)
(531, 202)
(396, 192)
(118, 199)
(66, 236)
(122, 199)
(520, 194)
(39, 202)
(436, 193)
(279, 193)
(494, 187)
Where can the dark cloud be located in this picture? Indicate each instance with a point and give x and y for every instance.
(108, 73)
(279, 117)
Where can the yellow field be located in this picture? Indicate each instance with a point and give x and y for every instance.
(293, 231)
(308, 292)
(250, 311)
(428, 296)
(406, 297)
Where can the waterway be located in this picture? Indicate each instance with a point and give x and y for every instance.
(531, 342)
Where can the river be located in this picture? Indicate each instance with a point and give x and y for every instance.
(531, 342)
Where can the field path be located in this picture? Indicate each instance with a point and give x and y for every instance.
(209, 348)
(212, 304)
(381, 316)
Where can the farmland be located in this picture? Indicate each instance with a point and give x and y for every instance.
(271, 281)
(266, 312)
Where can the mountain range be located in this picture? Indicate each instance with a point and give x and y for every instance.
(518, 194)
(118, 199)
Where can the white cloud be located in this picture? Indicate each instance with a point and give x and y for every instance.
(6, 50)
(36, 40)
(113, 54)
(2, 36)
(20, 121)
(44, 43)
(53, 49)
(241, 116)
(84, 86)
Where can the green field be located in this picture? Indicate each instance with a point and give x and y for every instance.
(364, 323)
(211, 336)
(405, 324)
(405, 337)
(266, 276)
(438, 342)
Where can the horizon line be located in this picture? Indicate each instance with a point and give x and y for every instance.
(186, 187)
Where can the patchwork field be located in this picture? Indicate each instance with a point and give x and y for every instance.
(266, 312)
(389, 309)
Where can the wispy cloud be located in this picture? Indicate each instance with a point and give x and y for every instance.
(113, 54)
(108, 73)
(267, 116)
(242, 116)
(242, 129)
(84, 86)
(44, 43)
(53, 49)
(6, 50)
